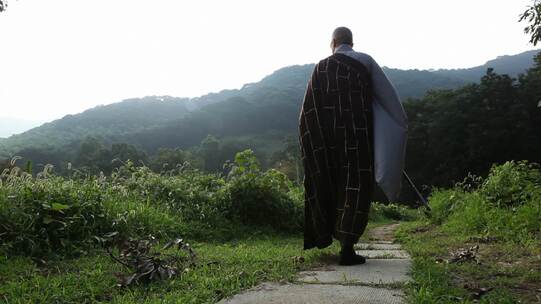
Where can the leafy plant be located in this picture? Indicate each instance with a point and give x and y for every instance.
(146, 265)
(46, 215)
(263, 198)
(506, 205)
(512, 183)
(532, 16)
(39, 216)
(380, 211)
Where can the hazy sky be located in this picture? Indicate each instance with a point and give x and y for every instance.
(63, 56)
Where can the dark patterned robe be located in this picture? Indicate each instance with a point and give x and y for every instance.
(336, 136)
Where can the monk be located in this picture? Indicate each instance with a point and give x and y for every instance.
(352, 133)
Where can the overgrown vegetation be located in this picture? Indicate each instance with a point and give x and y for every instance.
(482, 240)
(506, 205)
(464, 128)
(223, 269)
(101, 238)
(57, 215)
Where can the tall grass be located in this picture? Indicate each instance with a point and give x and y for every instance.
(52, 215)
(506, 205)
(48, 214)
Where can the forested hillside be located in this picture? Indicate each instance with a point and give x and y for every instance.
(510, 65)
(450, 134)
(453, 132)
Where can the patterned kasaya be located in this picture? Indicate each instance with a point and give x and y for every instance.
(336, 139)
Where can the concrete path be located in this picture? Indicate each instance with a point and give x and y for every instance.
(378, 281)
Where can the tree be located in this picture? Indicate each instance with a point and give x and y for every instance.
(124, 152)
(167, 159)
(95, 157)
(454, 132)
(89, 150)
(288, 159)
(209, 149)
(532, 16)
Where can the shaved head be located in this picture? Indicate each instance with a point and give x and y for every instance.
(342, 35)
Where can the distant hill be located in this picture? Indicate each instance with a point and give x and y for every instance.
(110, 122)
(510, 65)
(269, 106)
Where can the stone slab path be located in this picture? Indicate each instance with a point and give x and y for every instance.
(378, 281)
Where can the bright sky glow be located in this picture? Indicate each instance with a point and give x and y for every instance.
(60, 57)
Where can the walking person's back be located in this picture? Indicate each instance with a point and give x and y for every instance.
(352, 131)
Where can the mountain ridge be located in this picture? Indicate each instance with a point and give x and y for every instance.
(139, 121)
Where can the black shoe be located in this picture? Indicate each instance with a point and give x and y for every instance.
(351, 258)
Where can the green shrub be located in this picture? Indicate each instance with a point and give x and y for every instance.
(136, 217)
(507, 205)
(191, 195)
(42, 216)
(48, 214)
(444, 202)
(380, 212)
(469, 215)
(512, 183)
(263, 198)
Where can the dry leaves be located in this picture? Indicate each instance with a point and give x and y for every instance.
(464, 255)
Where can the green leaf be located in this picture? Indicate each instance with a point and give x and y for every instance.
(47, 220)
(59, 207)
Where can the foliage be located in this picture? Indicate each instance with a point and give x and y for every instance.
(532, 16)
(94, 158)
(491, 275)
(215, 152)
(480, 241)
(454, 132)
(41, 215)
(48, 214)
(260, 115)
(187, 195)
(382, 212)
(507, 205)
(288, 159)
(149, 265)
(169, 159)
(512, 184)
(263, 198)
(224, 269)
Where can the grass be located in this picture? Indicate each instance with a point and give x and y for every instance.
(501, 215)
(511, 271)
(245, 227)
(224, 269)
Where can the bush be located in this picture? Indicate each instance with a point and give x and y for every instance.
(263, 198)
(506, 205)
(42, 216)
(48, 214)
(444, 202)
(379, 212)
(189, 194)
(512, 184)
